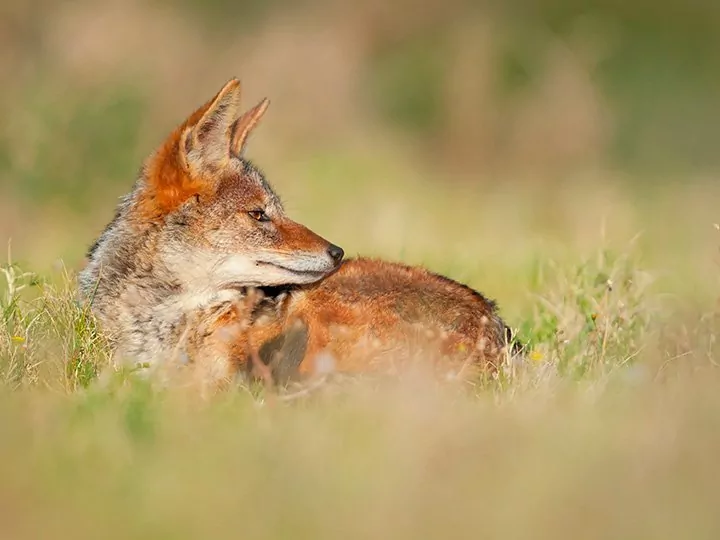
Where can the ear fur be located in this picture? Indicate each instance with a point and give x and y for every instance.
(244, 125)
(207, 143)
(184, 164)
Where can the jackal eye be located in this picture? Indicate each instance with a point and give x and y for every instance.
(258, 215)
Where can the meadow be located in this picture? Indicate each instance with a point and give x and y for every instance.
(588, 215)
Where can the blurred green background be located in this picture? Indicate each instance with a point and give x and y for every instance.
(476, 137)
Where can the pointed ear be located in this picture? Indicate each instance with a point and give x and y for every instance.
(201, 145)
(244, 126)
(205, 142)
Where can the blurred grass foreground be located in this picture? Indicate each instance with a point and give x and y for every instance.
(559, 156)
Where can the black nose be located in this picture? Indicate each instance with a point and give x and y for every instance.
(336, 253)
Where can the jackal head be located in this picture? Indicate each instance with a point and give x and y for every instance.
(220, 225)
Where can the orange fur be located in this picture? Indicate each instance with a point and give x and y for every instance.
(375, 315)
(170, 178)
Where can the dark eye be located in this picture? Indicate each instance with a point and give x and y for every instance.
(258, 215)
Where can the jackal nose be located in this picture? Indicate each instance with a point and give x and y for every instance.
(336, 253)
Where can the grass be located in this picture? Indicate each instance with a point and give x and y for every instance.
(608, 430)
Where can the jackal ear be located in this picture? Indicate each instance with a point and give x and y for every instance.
(244, 125)
(206, 142)
(201, 145)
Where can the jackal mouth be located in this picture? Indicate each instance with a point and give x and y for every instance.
(269, 292)
(236, 286)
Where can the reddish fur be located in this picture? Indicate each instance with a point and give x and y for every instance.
(297, 237)
(169, 183)
(373, 315)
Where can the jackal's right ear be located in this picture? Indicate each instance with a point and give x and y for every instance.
(244, 126)
(205, 142)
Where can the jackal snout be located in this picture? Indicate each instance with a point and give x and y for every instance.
(297, 256)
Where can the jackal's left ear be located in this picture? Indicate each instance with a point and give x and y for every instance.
(206, 143)
(244, 126)
(184, 165)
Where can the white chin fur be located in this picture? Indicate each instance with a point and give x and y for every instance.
(298, 263)
(219, 272)
(272, 275)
